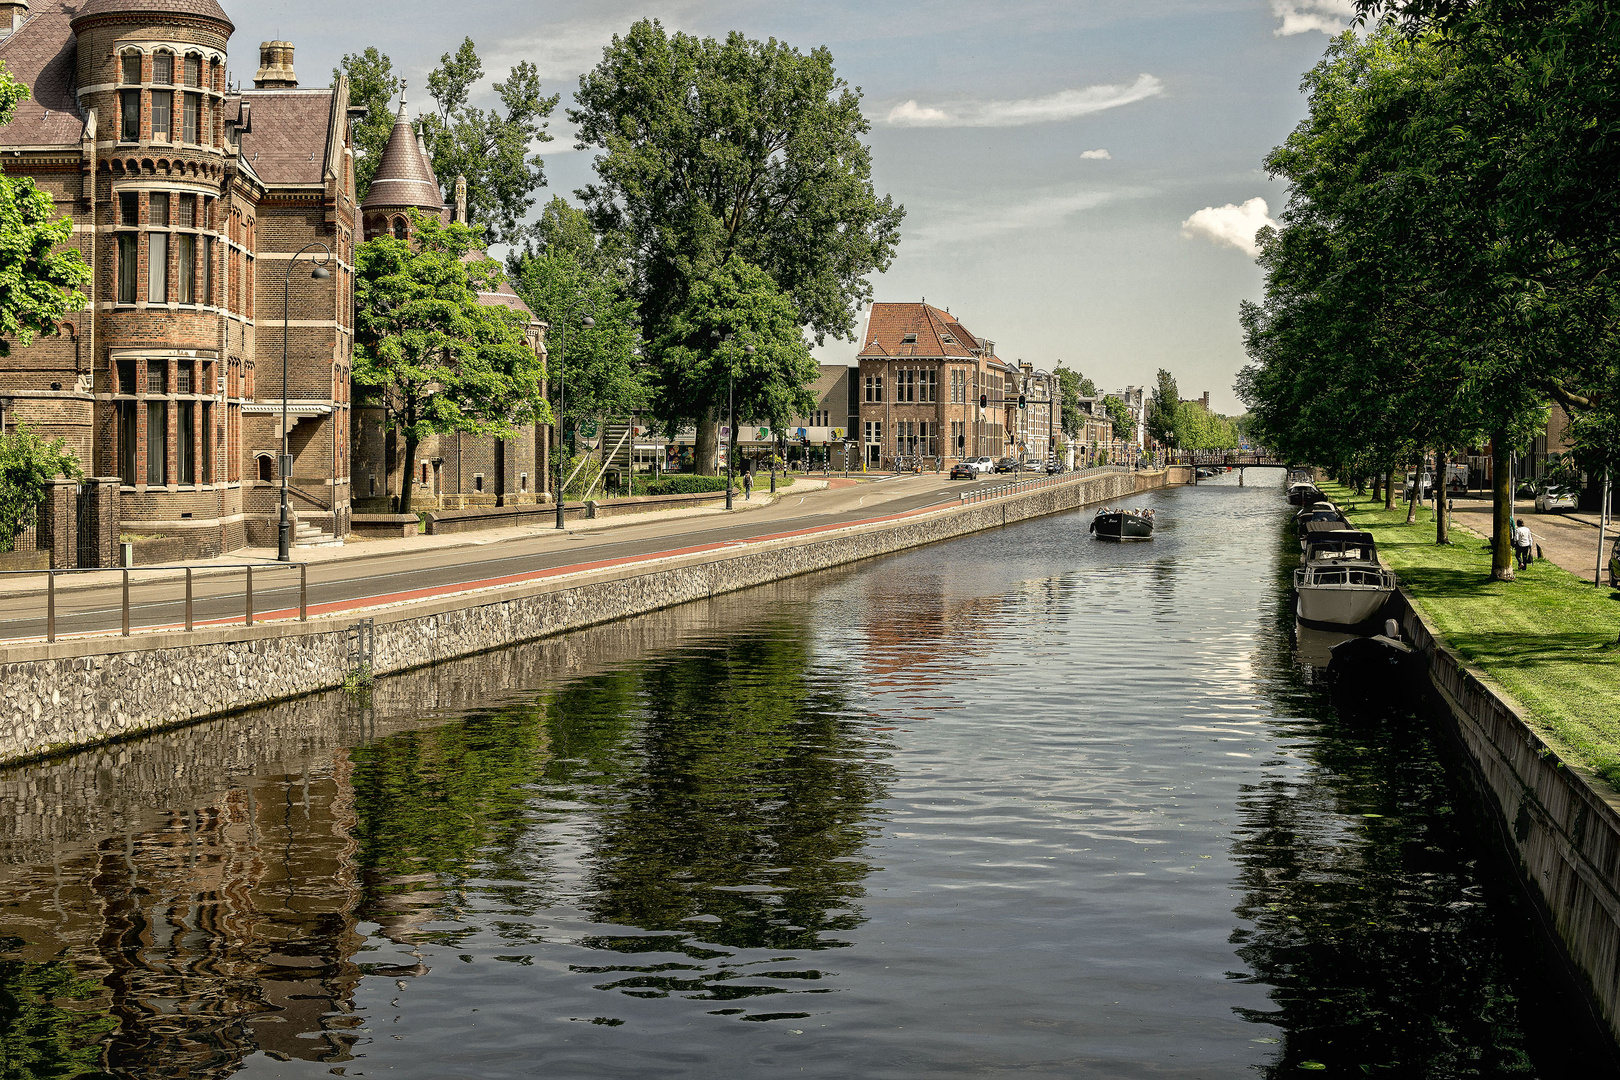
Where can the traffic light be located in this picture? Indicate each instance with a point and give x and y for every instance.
(1022, 402)
(984, 401)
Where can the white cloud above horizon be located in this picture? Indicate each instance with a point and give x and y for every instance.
(1052, 108)
(1096, 155)
(1328, 17)
(1232, 224)
(956, 224)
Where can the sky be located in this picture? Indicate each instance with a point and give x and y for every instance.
(1082, 178)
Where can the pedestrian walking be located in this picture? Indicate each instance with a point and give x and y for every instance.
(748, 486)
(1523, 544)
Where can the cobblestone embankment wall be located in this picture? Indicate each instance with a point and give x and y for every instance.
(78, 693)
(1561, 823)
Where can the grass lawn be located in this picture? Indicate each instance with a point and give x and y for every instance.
(1549, 638)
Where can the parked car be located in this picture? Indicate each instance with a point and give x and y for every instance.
(963, 470)
(1006, 464)
(1551, 497)
(982, 464)
(1428, 484)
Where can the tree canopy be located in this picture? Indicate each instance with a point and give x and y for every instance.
(28, 463)
(1164, 410)
(443, 361)
(40, 278)
(1072, 386)
(714, 151)
(372, 84)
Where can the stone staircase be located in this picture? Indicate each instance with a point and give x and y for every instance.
(307, 535)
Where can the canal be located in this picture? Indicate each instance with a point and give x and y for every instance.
(1021, 802)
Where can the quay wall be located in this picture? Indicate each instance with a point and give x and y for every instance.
(69, 694)
(1560, 822)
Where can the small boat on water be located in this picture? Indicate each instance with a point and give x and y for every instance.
(1112, 524)
(1340, 581)
(1303, 493)
(1319, 517)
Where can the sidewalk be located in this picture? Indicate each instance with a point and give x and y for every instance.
(358, 548)
(1568, 540)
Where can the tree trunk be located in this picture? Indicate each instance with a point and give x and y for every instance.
(1442, 508)
(408, 473)
(1375, 482)
(1389, 490)
(1417, 491)
(1501, 509)
(706, 451)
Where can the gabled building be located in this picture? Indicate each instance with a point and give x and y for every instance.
(190, 201)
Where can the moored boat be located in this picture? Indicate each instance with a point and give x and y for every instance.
(1340, 582)
(1112, 524)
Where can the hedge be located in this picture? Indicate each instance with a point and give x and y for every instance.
(686, 485)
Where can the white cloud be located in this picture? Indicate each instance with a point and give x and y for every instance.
(1063, 105)
(955, 223)
(1230, 224)
(1096, 155)
(1303, 16)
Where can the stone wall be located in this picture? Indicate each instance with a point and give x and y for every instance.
(76, 693)
(1561, 823)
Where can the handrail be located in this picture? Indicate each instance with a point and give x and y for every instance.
(1017, 486)
(294, 489)
(51, 575)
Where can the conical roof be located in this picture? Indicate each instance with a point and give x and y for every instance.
(404, 177)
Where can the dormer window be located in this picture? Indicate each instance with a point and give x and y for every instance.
(949, 340)
(909, 339)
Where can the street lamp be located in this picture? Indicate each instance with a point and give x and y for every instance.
(562, 347)
(320, 273)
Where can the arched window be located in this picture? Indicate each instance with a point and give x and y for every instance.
(399, 228)
(130, 67)
(267, 468)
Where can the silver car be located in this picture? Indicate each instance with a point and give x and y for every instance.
(1554, 497)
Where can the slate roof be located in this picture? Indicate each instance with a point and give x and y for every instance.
(503, 295)
(404, 177)
(41, 55)
(288, 137)
(208, 9)
(889, 324)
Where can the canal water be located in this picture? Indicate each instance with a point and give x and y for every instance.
(1025, 802)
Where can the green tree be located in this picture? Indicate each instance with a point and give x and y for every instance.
(1119, 414)
(1072, 386)
(28, 463)
(373, 84)
(443, 361)
(601, 367)
(1164, 410)
(565, 228)
(39, 278)
(704, 346)
(490, 147)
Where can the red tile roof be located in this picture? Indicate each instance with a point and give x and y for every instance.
(890, 324)
(404, 177)
(41, 55)
(288, 137)
(207, 9)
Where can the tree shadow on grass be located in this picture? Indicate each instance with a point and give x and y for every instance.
(1540, 651)
(1444, 582)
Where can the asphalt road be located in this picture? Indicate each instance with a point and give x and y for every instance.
(219, 594)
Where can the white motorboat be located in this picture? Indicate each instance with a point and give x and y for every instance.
(1340, 582)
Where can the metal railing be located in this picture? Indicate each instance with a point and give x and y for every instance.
(190, 621)
(1020, 486)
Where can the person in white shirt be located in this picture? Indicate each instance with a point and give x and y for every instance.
(1523, 543)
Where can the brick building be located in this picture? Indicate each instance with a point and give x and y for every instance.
(451, 471)
(190, 200)
(920, 379)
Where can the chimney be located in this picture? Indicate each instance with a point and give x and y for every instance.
(275, 66)
(461, 200)
(13, 13)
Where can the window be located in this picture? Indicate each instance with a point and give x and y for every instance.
(129, 208)
(909, 339)
(159, 214)
(928, 385)
(874, 388)
(182, 377)
(162, 114)
(188, 212)
(207, 442)
(128, 267)
(185, 441)
(131, 62)
(958, 436)
(187, 269)
(523, 481)
(157, 376)
(126, 441)
(905, 386)
(267, 470)
(163, 68)
(193, 70)
(157, 267)
(478, 482)
(129, 110)
(126, 377)
(193, 118)
(399, 234)
(208, 270)
(874, 431)
(157, 438)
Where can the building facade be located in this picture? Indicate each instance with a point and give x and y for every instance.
(191, 202)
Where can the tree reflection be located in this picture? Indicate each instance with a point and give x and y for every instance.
(49, 1024)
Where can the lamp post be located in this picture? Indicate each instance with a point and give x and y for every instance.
(320, 273)
(562, 348)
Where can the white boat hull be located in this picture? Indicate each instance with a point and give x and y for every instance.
(1341, 605)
